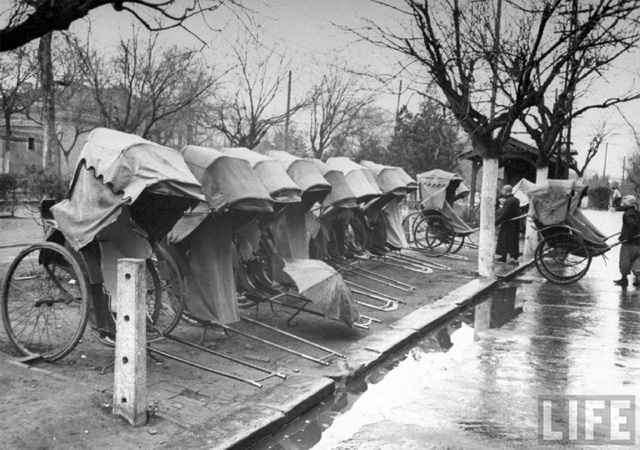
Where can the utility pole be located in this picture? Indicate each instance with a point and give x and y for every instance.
(398, 102)
(604, 169)
(286, 121)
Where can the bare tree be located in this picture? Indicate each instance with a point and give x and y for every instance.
(250, 109)
(459, 48)
(144, 85)
(337, 101)
(18, 77)
(24, 21)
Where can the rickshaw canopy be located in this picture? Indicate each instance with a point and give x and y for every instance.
(341, 194)
(557, 202)
(302, 171)
(438, 186)
(552, 200)
(273, 176)
(227, 182)
(113, 170)
(389, 179)
(359, 178)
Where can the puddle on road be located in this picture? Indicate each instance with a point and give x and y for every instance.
(461, 331)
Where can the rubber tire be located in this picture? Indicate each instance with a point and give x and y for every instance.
(566, 243)
(78, 323)
(173, 290)
(425, 226)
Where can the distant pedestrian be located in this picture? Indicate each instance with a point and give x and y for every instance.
(630, 248)
(509, 234)
(616, 198)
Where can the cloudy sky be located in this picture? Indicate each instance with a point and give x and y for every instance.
(306, 30)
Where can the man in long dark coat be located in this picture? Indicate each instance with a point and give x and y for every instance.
(509, 235)
(630, 248)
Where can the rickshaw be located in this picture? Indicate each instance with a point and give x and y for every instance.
(202, 240)
(367, 194)
(125, 196)
(437, 227)
(569, 240)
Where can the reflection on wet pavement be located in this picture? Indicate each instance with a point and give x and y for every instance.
(436, 348)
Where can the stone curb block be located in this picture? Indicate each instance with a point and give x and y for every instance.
(297, 395)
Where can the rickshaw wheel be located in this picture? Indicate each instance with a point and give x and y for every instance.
(457, 244)
(432, 232)
(356, 235)
(563, 258)
(45, 301)
(171, 287)
(409, 224)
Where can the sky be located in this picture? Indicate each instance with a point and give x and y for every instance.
(306, 31)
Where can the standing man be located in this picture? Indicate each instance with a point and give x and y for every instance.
(630, 248)
(616, 197)
(509, 235)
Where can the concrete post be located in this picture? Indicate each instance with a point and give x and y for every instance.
(130, 370)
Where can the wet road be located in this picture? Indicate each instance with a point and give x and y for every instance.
(477, 382)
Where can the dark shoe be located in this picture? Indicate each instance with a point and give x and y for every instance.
(622, 282)
(503, 259)
(636, 282)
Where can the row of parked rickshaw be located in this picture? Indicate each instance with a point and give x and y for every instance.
(222, 230)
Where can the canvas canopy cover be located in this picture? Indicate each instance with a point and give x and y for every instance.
(273, 177)
(359, 178)
(325, 287)
(341, 194)
(389, 179)
(552, 200)
(555, 202)
(113, 170)
(438, 186)
(302, 171)
(227, 182)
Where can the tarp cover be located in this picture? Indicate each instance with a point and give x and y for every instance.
(389, 180)
(325, 287)
(438, 186)
(355, 175)
(274, 178)
(457, 225)
(520, 191)
(289, 231)
(550, 201)
(341, 194)
(211, 288)
(227, 182)
(302, 171)
(113, 169)
(410, 183)
(393, 217)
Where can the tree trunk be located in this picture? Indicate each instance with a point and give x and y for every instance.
(487, 247)
(531, 234)
(50, 159)
(5, 163)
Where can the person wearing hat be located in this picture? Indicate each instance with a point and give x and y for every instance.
(509, 234)
(630, 238)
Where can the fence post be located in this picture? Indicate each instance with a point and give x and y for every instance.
(130, 370)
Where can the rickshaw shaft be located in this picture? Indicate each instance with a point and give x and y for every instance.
(207, 369)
